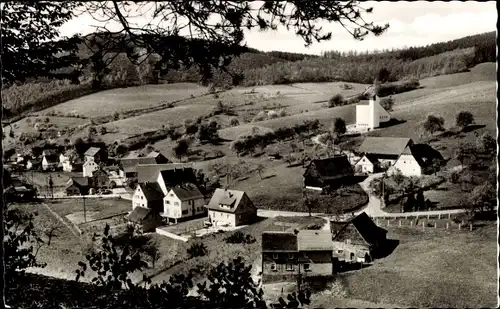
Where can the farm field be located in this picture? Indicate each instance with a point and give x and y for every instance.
(125, 99)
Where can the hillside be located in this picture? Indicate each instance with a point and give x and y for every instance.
(257, 68)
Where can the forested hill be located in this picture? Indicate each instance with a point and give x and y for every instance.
(414, 62)
(255, 67)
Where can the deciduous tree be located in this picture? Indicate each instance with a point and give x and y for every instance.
(433, 123)
(464, 119)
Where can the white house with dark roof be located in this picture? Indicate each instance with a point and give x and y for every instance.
(93, 154)
(231, 208)
(369, 114)
(50, 160)
(397, 153)
(148, 195)
(183, 201)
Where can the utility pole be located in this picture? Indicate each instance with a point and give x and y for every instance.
(84, 209)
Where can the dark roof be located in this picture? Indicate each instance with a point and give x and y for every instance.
(149, 172)
(52, 158)
(332, 168)
(152, 191)
(314, 240)
(176, 176)
(279, 242)
(138, 214)
(78, 181)
(92, 151)
(423, 153)
(384, 145)
(230, 198)
(187, 191)
(366, 228)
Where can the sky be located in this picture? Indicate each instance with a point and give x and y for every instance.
(410, 24)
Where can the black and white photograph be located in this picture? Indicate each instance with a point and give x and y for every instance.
(249, 154)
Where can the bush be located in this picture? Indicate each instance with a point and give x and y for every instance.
(197, 249)
(239, 238)
(234, 122)
(336, 100)
(282, 113)
(272, 114)
(464, 119)
(116, 116)
(261, 116)
(46, 120)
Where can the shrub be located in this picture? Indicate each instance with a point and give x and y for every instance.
(46, 120)
(336, 100)
(464, 119)
(116, 116)
(170, 105)
(282, 112)
(262, 115)
(272, 114)
(387, 103)
(103, 130)
(234, 122)
(197, 249)
(239, 238)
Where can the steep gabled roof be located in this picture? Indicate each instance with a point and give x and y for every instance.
(423, 153)
(314, 240)
(279, 242)
(368, 230)
(332, 168)
(384, 145)
(138, 214)
(230, 198)
(187, 191)
(92, 151)
(152, 191)
(51, 158)
(78, 181)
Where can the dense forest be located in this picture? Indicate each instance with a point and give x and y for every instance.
(254, 67)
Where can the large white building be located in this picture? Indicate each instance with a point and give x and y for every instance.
(370, 114)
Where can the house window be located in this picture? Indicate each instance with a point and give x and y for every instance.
(275, 256)
(289, 267)
(142, 197)
(290, 256)
(340, 251)
(227, 216)
(176, 203)
(273, 267)
(404, 162)
(167, 202)
(184, 212)
(307, 267)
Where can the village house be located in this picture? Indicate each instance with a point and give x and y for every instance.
(144, 219)
(100, 178)
(89, 167)
(290, 255)
(128, 165)
(357, 240)
(369, 114)
(70, 162)
(148, 195)
(231, 208)
(395, 153)
(95, 154)
(183, 201)
(49, 160)
(367, 164)
(333, 172)
(77, 186)
(33, 164)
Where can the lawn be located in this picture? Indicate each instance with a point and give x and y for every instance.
(432, 268)
(125, 99)
(101, 207)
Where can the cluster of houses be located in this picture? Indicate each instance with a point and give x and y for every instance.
(170, 193)
(320, 253)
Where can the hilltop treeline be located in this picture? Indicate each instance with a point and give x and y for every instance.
(260, 68)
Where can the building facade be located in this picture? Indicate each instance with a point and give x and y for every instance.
(231, 208)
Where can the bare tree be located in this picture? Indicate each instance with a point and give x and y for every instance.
(51, 228)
